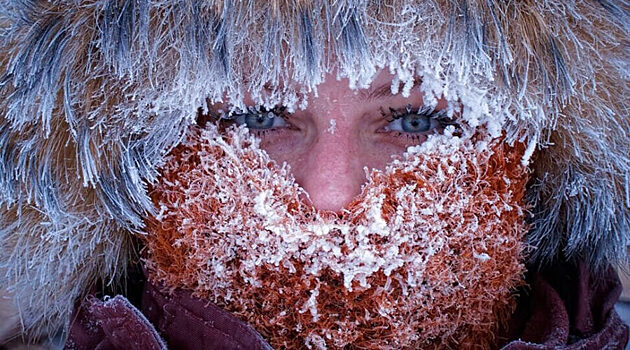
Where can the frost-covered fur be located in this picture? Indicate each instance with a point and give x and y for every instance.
(8, 317)
(94, 93)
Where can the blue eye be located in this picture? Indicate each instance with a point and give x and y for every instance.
(260, 119)
(413, 121)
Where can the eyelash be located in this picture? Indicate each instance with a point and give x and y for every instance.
(279, 111)
(223, 116)
(228, 118)
(397, 113)
(438, 116)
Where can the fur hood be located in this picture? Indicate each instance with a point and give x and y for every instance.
(93, 94)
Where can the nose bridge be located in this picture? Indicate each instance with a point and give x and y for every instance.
(333, 154)
(334, 170)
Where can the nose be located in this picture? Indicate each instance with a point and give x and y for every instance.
(332, 169)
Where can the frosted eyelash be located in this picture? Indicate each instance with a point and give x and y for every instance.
(278, 111)
(229, 116)
(440, 115)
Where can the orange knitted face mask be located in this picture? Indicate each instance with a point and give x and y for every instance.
(428, 255)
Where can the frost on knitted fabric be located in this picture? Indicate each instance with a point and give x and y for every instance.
(428, 255)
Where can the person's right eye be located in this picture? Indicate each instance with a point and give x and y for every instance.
(261, 119)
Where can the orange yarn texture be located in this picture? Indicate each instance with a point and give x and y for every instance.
(428, 256)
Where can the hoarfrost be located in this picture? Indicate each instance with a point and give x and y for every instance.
(311, 303)
(333, 126)
(481, 256)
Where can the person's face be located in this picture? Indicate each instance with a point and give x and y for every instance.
(440, 226)
(342, 131)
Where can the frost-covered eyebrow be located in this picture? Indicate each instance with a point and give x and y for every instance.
(382, 91)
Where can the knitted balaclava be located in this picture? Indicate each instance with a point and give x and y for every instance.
(428, 255)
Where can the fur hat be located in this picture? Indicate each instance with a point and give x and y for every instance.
(93, 94)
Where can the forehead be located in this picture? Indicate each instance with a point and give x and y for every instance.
(332, 89)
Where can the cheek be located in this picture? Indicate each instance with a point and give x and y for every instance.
(379, 150)
(283, 146)
(378, 154)
(373, 151)
(300, 153)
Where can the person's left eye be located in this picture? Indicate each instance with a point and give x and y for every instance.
(414, 121)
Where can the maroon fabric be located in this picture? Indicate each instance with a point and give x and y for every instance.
(566, 309)
(111, 324)
(190, 323)
(569, 309)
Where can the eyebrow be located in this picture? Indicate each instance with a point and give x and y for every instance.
(382, 91)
